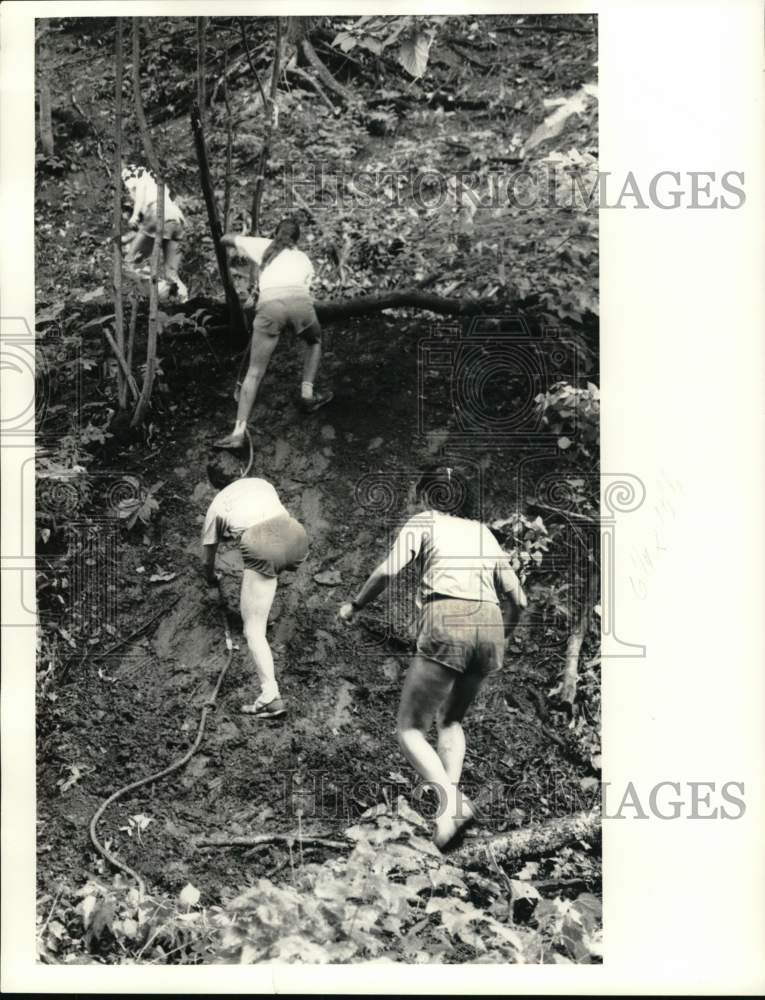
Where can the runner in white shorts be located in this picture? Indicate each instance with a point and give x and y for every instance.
(463, 574)
(270, 540)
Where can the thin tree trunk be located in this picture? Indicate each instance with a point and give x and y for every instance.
(122, 364)
(229, 148)
(201, 23)
(270, 124)
(119, 325)
(151, 156)
(236, 316)
(45, 116)
(131, 331)
(243, 30)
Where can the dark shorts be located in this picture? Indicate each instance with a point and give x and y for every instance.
(173, 229)
(466, 636)
(299, 315)
(273, 545)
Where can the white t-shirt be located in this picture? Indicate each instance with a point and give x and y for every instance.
(457, 557)
(290, 269)
(143, 190)
(238, 507)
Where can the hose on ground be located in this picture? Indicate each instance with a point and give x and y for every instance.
(157, 776)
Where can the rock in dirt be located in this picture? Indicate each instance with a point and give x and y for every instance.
(329, 578)
(391, 669)
(374, 444)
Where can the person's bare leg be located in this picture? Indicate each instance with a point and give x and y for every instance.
(139, 249)
(311, 361)
(311, 401)
(256, 599)
(172, 257)
(451, 735)
(262, 348)
(427, 686)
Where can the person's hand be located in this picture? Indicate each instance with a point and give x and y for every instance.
(346, 612)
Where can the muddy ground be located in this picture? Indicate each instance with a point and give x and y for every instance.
(131, 713)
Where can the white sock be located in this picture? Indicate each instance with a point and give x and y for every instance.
(268, 692)
(306, 390)
(239, 427)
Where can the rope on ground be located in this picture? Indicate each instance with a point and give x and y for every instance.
(157, 776)
(252, 454)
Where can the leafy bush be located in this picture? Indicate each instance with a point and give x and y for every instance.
(574, 414)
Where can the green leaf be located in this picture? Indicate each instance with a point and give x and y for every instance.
(413, 54)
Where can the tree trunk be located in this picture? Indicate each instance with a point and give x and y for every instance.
(201, 23)
(536, 840)
(45, 117)
(236, 316)
(270, 124)
(229, 148)
(119, 326)
(151, 156)
(570, 677)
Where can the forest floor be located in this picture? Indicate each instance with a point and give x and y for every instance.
(120, 716)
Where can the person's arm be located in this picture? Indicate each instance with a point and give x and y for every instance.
(208, 563)
(511, 595)
(210, 537)
(251, 247)
(141, 198)
(406, 547)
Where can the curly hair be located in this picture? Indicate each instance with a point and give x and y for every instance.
(449, 490)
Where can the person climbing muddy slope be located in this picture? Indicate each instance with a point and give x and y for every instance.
(463, 573)
(143, 190)
(270, 541)
(284, 302)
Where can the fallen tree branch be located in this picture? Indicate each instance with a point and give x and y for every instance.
(542, 839)
(289, 839)
(324, 74)
(301, 73)
(116, 350)
(400, 298)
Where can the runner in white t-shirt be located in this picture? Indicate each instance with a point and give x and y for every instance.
(284, 303)
(270, 540)
(463, 577)
(144, 218)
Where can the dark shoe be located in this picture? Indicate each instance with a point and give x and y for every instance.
(314, 404)
(272, 710)
(231, 442)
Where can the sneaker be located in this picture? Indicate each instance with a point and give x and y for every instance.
(230, 443)
(272, 710)
(314, 404)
